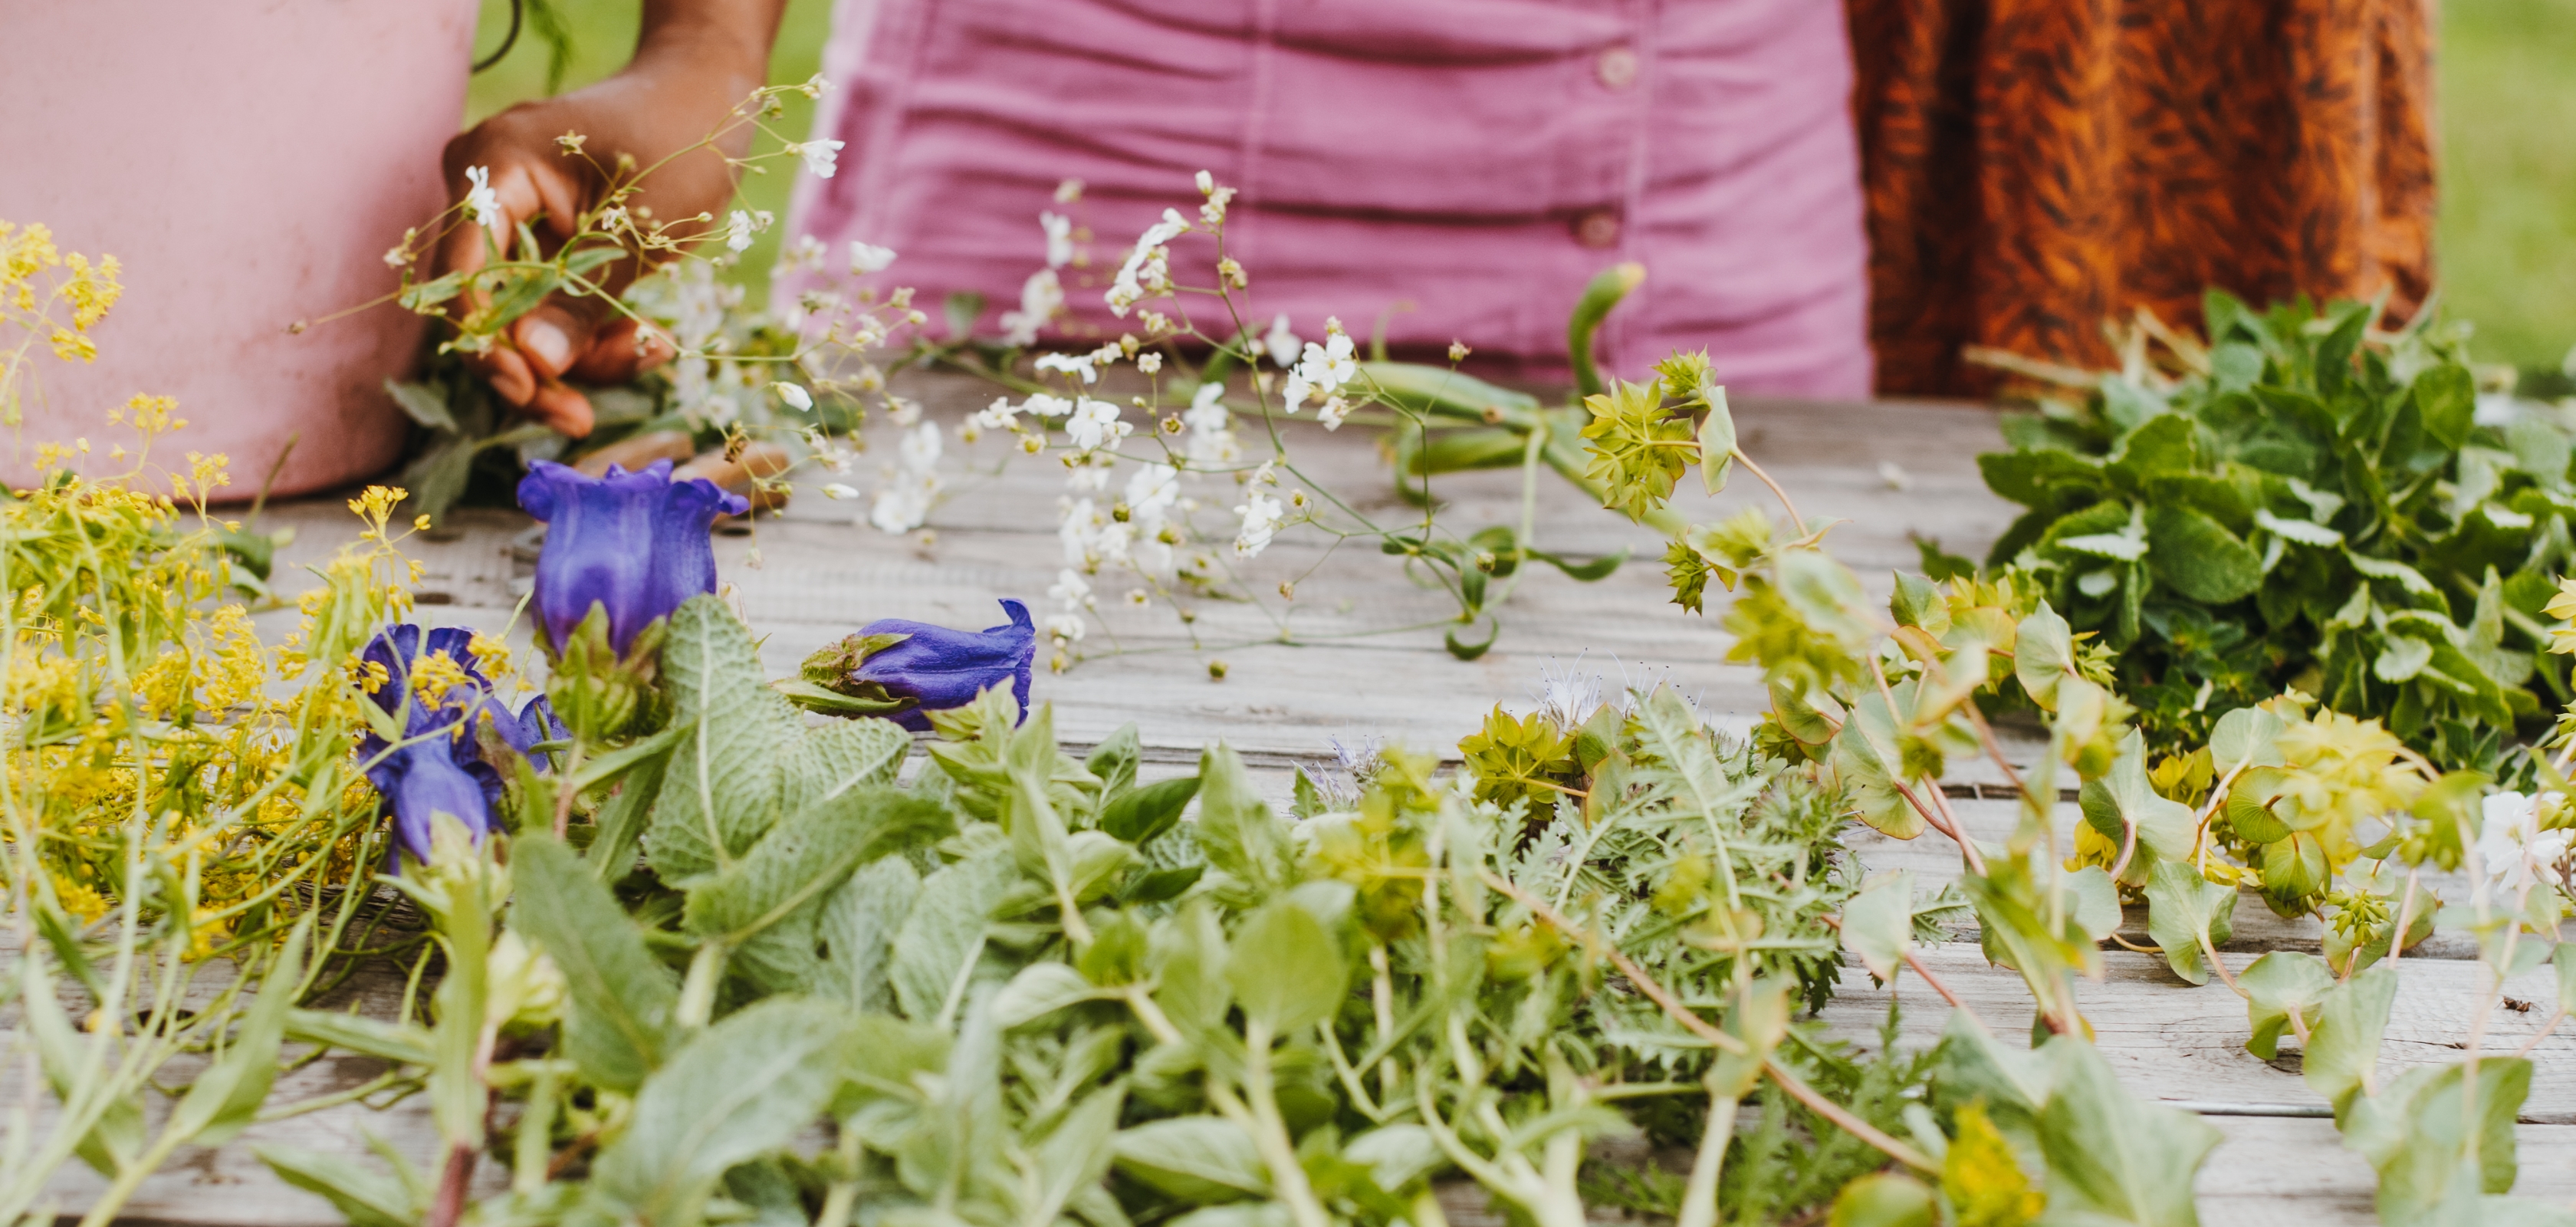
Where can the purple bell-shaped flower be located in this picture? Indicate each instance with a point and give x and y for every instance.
(439, 765)
(928, 668)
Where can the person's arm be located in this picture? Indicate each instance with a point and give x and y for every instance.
(694, 60)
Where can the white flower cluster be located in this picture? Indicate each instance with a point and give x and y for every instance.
(483, 202)
(911, 484)
(1042, 295)
(1148, 268)
(742, 225)
(822, 158)
(1261, 513)
(1322, 370)
(2512, 849)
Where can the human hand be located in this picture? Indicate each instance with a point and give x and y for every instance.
(655, 115)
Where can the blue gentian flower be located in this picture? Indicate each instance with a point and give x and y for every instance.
(440, 767)
(934, 666)
(632, 543)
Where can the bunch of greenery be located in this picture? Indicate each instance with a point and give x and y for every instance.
(2321, 812)
(2300, 502)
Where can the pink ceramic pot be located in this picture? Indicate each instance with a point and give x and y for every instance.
(249, 161)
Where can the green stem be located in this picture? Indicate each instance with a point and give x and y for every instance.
(1270, 1131)
(1699, 1197)
(698, 992)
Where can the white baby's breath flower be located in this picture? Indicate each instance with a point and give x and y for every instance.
(1293, 393)
(1041, 296)
(1260, 514)
(837, 492)
(1000, 415)
(1206, 182)
(1070, 364)
(1094, 422)
(1066, 627)
(903, 411)
(1068, 191)
(1059, 238)
(1280, 343)
(920, 447)
(738, 231)
(1149, 363)
(866, 258)
(1333, 411)
(904, 505)
(482, 201)
(1152, 491)
(794, 394)
(1046, 406)
(1212, 214)
(1070, 589)
(1330, 365)
(821, 157)
(1143, 273)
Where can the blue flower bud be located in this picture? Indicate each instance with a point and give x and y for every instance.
(934, 667)
(634, 544)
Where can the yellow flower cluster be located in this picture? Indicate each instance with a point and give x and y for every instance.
(51, 294)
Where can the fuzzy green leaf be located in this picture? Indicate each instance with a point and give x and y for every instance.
(618, 1016)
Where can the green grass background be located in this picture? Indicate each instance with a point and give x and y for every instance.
(2507, 236)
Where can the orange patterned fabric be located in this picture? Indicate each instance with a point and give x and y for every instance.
(2035, 167)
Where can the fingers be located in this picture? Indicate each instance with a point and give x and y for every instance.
(614, 356)
(552, 337)
(507, 372)
(562, 407)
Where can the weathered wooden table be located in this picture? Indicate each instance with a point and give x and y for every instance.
(1893, 470)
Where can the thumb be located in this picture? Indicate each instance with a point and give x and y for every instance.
(553, 337)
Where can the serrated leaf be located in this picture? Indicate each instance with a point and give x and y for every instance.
(739, 1089)
(1114, 761)
(833, 758)
(857, 930)
(2184, 910)
(620, 1000)
(810, 853)
(722, 788)
(2304, 532)
(2404, 576)
(1286, 969)
(936, 950)
(2199, 558)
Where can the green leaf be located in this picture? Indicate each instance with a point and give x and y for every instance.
(423, 403)
(942, 938)
(2123, 797)
(611, 853)
(1760, 1019)
(1286, 969)
(2304, 532)
(1039, 990)
(810, 853)
(2343, 1049)
(2404, 576)
(226, 1097)
(1139, 815)
(1878, 922)
(1884, 1199)
(2184, 910)
(620, 1000)
(2437, 1153)
(2199, 558)
(2446, 401)
(1716, 440)
(741, 1088)
(856, 931)
(363, 1197)
(2278, 985)
(2043, 654)
(400, 1042)
(1197, 1159)
(722, 788)
(831, 759)
(1114, 761)
(2246, 737)
(1240, 834)
(2111, 1156)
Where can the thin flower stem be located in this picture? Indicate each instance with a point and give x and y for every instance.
(1796, 521)
(1701, 1027)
